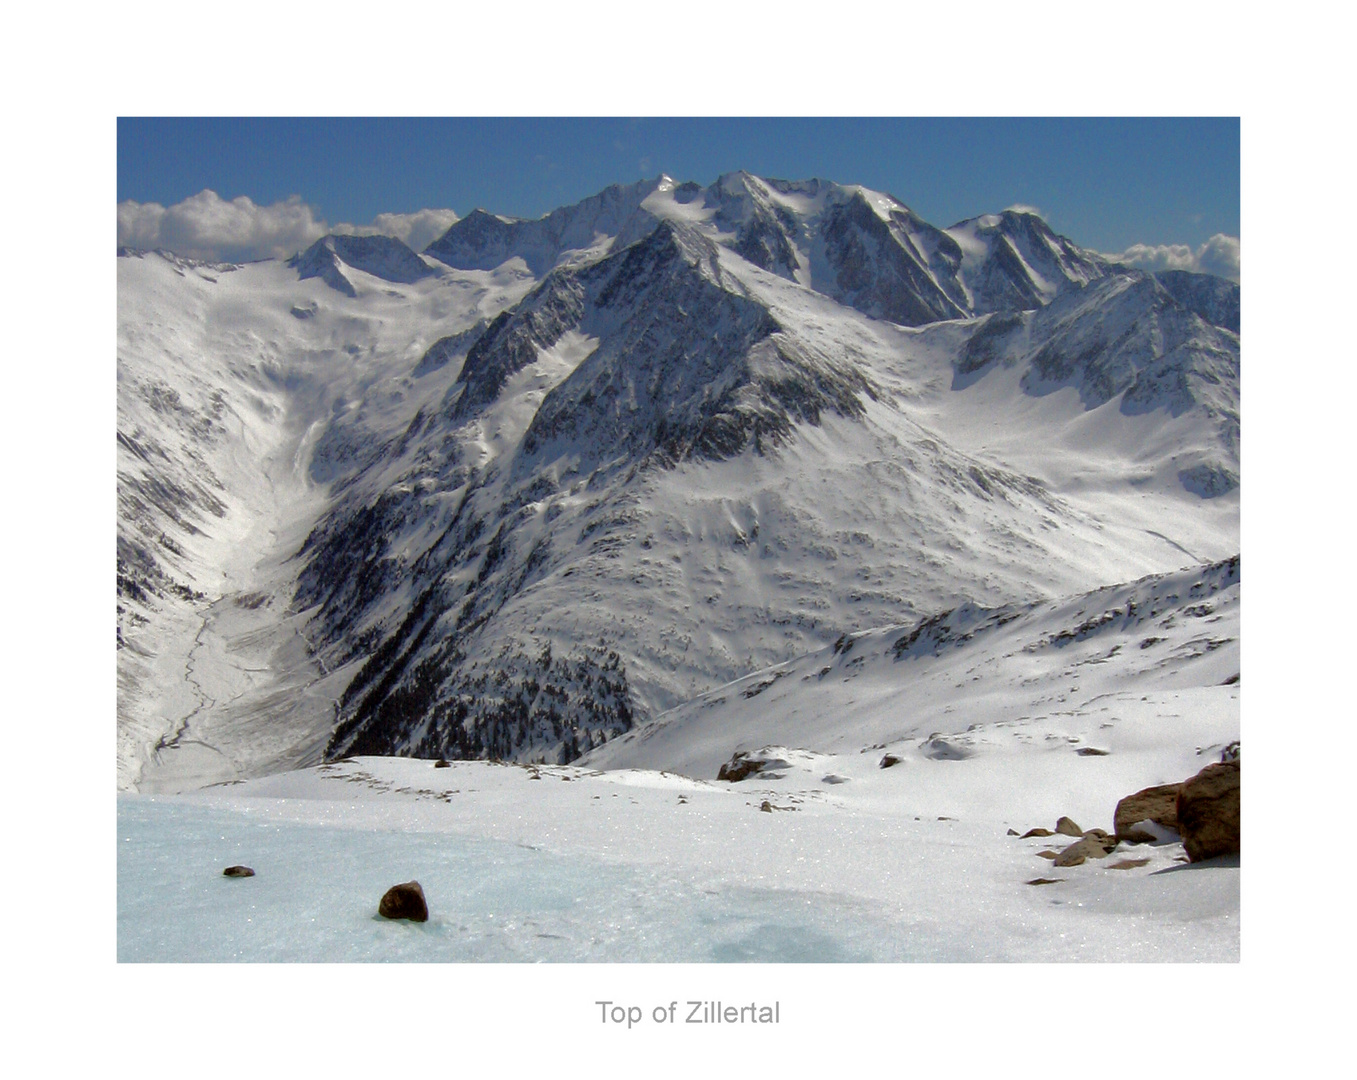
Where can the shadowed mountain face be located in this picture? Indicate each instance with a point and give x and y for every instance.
(381, 256)
(714, 429)
(1214, 299)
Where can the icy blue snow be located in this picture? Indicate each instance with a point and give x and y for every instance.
(315, 893)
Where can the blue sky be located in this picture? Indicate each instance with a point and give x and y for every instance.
(1106, 183)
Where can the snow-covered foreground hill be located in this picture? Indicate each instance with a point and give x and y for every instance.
(996, 721)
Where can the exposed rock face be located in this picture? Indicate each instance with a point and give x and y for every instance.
(404, 901)
(1208, 811)
(1157, 804)
(238, 871)
(1213, 299)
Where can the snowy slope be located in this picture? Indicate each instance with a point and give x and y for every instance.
(900, 767)
(1105, 674)
(228, 381)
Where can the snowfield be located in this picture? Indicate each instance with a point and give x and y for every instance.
(560, 864)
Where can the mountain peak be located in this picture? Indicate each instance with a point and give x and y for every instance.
(383, 257)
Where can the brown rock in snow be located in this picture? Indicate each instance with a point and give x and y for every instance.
(1157, 804)
(1208, 811)
(1086, 847)
(1066, 827)
(405, 901)
(238, 871)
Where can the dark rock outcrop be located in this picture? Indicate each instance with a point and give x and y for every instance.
(238, 871)
(738, 767)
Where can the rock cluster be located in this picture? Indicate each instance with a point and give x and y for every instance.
(1203, 810)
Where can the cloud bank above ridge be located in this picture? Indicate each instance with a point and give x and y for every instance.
(206, 226)
(1219, 256)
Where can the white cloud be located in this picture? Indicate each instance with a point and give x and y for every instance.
(206, 226)
(1025, 208)
(1219, 256)
(417, 230)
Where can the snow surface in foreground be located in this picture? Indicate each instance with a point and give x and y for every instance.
(558, 863)
(997, 720)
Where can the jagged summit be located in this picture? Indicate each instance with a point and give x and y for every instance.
(860, 247)
(483, 241)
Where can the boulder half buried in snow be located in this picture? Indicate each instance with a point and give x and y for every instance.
(404, 901)
(1157, 804)
(1089, 846)
(746, 763)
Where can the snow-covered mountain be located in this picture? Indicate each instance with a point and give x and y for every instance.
(520, 495)
(860, 247)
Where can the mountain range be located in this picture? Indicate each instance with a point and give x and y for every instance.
(526, 493)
